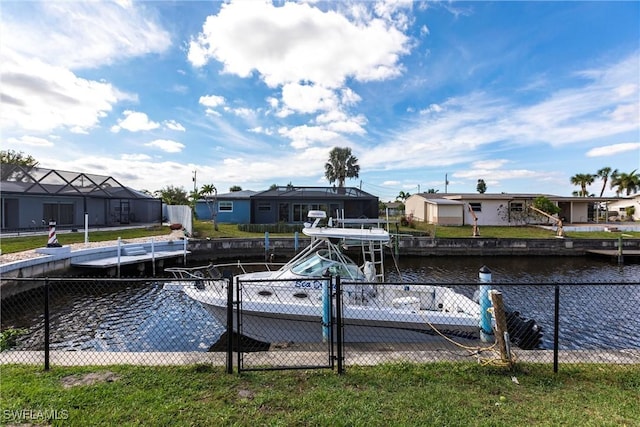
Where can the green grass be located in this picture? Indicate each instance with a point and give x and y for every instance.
(204, 229)
(519, 232)
(455, 394)
(24, 243)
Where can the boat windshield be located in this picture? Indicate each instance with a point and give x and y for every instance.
(317, 264)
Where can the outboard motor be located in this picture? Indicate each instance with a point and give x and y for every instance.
(524, 333)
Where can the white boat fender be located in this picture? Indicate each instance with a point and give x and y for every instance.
(369, 271)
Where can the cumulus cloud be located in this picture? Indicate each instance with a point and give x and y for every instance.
(134, 121)
(212, 100)
(166, 145)
(42, 97)
(297, 42)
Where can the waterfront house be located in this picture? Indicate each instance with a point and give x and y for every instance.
(230, 208)
(497, 209)
(32, 196)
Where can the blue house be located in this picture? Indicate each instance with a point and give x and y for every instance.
(230, 208)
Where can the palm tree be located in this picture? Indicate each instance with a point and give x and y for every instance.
(341, 165)
(208, 190)
(626, 182)
(604, 174)
(402, 196)
(583, 179)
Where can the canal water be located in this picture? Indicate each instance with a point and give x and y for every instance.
(599, 305)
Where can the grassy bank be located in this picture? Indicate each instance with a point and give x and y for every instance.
(205, 229)
(395, 394)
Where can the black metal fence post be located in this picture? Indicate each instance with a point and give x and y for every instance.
(46, 324)
(339, 325)
(229, 277)
(556, 328)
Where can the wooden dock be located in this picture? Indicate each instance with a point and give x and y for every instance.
(113, 261)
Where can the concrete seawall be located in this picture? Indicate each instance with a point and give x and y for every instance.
(414, 246)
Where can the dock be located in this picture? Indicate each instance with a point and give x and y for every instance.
(114, 261)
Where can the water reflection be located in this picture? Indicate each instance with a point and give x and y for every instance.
(144, 317)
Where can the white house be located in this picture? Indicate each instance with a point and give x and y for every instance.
(620, 206)
(496, 209)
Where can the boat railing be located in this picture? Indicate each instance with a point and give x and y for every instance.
(248, 267)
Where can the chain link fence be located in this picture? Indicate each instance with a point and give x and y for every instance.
(104, 321)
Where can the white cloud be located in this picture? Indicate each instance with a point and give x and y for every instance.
(134, 121)
(166, 145)
(174, 125)
(212, 100)
(304, 136)
(613, 149)
(308, 98)
(33, 141)
(81, 34)
(297, 42)
(39, 97)
(135, 157)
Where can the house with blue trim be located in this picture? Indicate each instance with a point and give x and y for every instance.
(230, 208)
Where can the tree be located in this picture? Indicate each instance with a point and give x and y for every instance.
(582, 180)
(403, 196)
(481, 187)
(14, 158)
(173, 195)
(628, 183)
(235, 188)
(432, 191)
(341, 165)
(206, 191)
(546, 205)
(604, 174)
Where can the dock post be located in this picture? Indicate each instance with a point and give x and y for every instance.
(184, 260)
(296, 242)
(620, 257)
(119, 252)
(153, 257)
(86, 228)
(266, 245)
(485, 318)
(502, 333)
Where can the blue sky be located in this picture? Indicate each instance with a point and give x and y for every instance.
(523, 95)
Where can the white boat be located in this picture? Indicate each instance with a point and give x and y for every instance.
(291, 303)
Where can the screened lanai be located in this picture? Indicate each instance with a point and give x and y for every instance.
(33, 196)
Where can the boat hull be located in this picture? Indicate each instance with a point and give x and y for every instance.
(361, 324)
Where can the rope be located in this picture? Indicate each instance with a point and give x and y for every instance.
(478, 350)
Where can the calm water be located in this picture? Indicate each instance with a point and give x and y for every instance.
(144, 317)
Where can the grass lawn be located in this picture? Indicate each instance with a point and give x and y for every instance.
(204, 229)
(451, 394)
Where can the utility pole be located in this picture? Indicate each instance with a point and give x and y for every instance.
(446, 183)
(195, 183)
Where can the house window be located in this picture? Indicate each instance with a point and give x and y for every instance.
(476, 207)
(60, 212)
(516, 207)
(264, 206)
(225, 206)
(300, 211)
